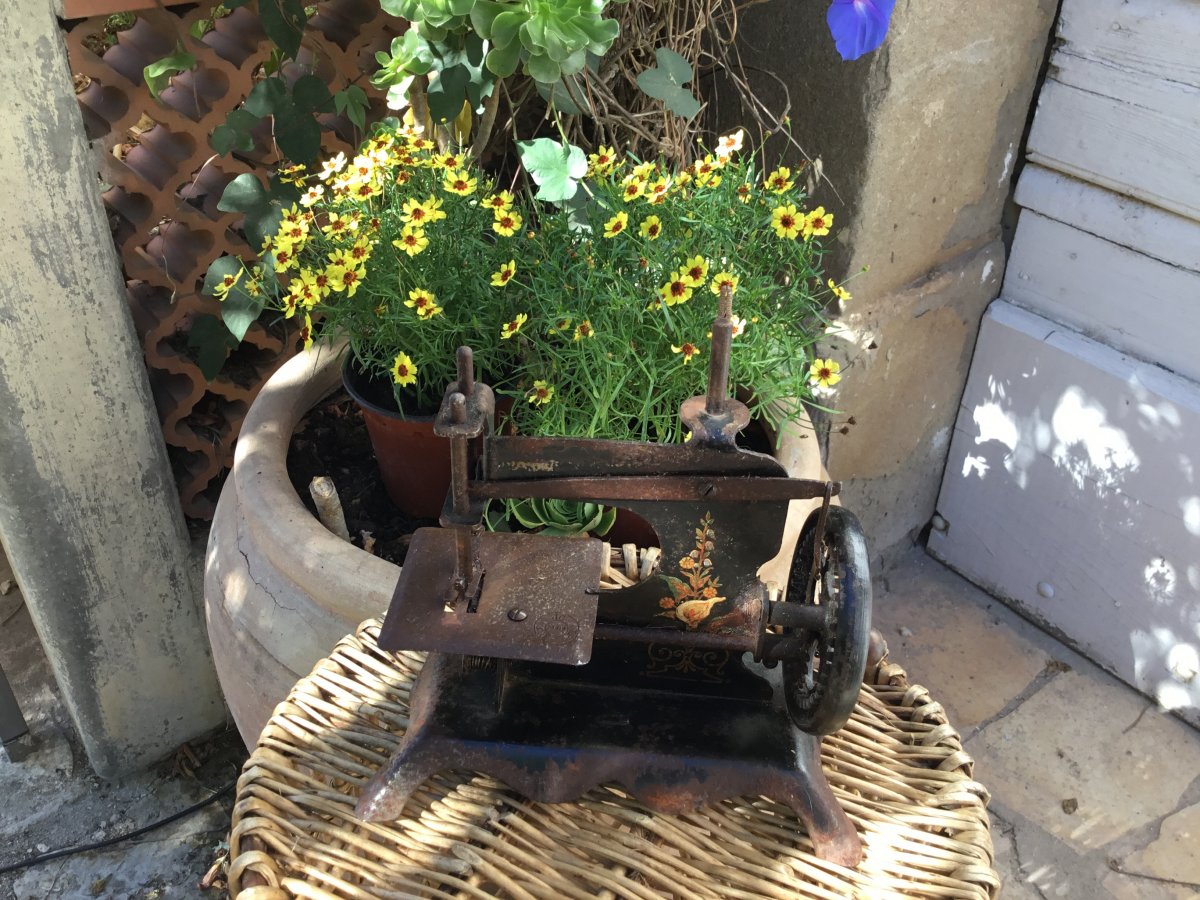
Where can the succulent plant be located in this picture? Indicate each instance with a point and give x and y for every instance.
(557, 518)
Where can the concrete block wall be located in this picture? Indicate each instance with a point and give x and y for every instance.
(918, 144)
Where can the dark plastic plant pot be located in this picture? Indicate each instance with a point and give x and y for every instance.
(413, 462)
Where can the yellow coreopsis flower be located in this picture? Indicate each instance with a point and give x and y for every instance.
(312, 195)
(339, 227)
(319, 281)
(424, 302)
(404, 371)
(227, 284)
(643, 171)
(511, 328)
(584, 330)
(422, 212)
(602, 161)
(817, 223)
(838, 291)
(688, 351)
(292, 174)
(616, 224)
(403, 177)
(651, 227)
(284, 256)
(779, 181)
(744, 190)
(824, 373)
(306, 333)
(634, 188)
(505, 274)
(344, 279)
(450, 161)
(412, 240)
(787, 221)
(656, 191)
(695, 271)
(499, 202)
(677, 290)
(724, 278)
(365, 190)
(559, 326)
(541, 393)
(458, 181)
(506, 223)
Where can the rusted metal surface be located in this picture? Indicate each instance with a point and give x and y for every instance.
(694, 488)
(562, 687)
(557, 592)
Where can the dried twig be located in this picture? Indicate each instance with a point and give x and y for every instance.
(329, 506)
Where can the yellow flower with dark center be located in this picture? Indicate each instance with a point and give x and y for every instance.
(227, 284)
(339, 227)
(412, 240)
(403, 176)
(724, 278)
(651, 227)
(424, 302)
(344, 279)
(656, 191)
(824, 373)
(695, 271)
(643, 171)
(506, 223)
(360, 252)
(511, 328)
(743, 191)
(616, 224)
(688, 351)
(634, 188)
(419, 144)
(404, 371)
(499, 202)
(584, 330)
(422, 212)
(458, 181)
(292, 174)
(541, 393)
(306, 333)
(817, 223)
(450, 161)
(285, 258)
(838, 291)
(779, 181)
(787, 221)
(505, 274)
(320, 282)
(602, 161)
(677, 290)
(559, 326)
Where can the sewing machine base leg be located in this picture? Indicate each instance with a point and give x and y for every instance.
(552, 733)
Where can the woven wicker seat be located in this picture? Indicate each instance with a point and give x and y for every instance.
(898, 769)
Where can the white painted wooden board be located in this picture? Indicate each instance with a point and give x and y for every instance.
(1090, 130)
(1115, 295)
(1123, 220)
(1073, 491)
(1158, 37)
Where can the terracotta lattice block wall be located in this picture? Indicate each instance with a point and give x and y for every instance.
(161, 183)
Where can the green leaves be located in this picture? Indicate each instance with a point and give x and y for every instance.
(284, 22)
(560, 518)
(262, 211)
(554, 167)
(158, 74)
(297, 132)
(212, 342)
(239, 309)
(353, 102)
(666, 82)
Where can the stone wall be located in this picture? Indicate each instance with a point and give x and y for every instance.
(918, 143)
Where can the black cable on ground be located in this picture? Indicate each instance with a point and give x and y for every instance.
(108, 842)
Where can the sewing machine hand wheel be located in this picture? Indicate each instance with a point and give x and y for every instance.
(821, 678)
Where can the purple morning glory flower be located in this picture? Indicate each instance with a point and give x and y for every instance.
(859, 26)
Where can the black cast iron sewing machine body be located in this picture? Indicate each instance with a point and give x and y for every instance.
(671, 688)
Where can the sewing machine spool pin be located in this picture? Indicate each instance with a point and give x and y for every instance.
(651, 685)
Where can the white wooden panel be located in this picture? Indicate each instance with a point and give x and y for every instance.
(1145, 151)
(1118, 296)
(1073, 491)
(1122, 220)
(1158, 37)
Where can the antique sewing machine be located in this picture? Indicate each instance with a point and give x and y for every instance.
(698, 683)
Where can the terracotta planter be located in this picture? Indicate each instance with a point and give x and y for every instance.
(414, 463)
(280, 590)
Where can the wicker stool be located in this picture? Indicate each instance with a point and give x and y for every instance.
(897, 768)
